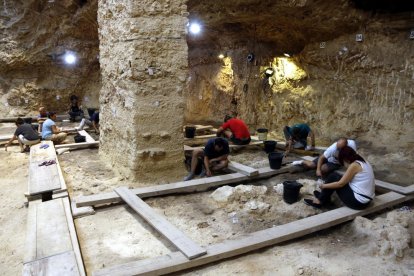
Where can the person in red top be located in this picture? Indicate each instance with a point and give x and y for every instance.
(235, 130)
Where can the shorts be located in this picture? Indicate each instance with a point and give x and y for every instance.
(237, 141)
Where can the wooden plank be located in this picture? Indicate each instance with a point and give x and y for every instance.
(188, 247)
(49, 234)
(195, 185)
(63, 187)
(60, 264)
(232, 146)
(201, 137)
(200, 127)
(43, 179)
(34, 118)
(246, 170)
(176, 261)
(73, 237)
(78, 145)
(88, 138)
(31, 233)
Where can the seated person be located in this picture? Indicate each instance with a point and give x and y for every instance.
(356, 188)
(41, 118)
(214, 155)
(235, 130)
(75, 111)
(296, 137)
(51, 132)
(25, 134)
(328, 161)
(93, 121)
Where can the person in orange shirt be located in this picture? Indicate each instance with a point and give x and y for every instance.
(235, 130)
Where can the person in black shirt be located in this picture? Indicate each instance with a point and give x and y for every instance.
(25, 134)
(214, 156)
(74, 110)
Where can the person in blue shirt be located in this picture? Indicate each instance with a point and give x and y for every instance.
(297, 136)
(215, 157)
(50, 130)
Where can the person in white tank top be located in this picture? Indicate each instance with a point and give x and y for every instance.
(356, 188)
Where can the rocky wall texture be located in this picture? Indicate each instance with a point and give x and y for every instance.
(143, 55)
(362, 89)
(34, 36)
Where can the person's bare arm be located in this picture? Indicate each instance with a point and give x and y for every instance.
(95, 126)
(55, 130)
(207, 165)
(220, 158)
(352, 170)
(219, 131)
(9, 142)
(321, 160)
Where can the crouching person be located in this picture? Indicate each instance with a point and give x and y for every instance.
(25, 134)
(51, 132)
(214, 156)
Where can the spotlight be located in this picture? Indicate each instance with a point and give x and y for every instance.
(221, 56)
(286, 54)
(69, 58)
(269, 72)
(195, 28)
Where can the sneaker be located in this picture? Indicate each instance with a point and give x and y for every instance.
(189, 176)
(203, 173)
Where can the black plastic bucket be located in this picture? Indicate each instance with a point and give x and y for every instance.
(291, 191)
(275, 160)
(269, 146)
(262, 133)
(190, 131)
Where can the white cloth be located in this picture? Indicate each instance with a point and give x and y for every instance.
(363, 183)
(331, 153)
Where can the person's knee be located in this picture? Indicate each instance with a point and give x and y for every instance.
(309, 164)
(197, 153)
(325, 169)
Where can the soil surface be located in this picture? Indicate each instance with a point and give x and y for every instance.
(381, 244)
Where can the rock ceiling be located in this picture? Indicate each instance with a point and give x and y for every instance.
(289, 25)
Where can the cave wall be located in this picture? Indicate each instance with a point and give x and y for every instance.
(358, 89)
(34, 35)
(143, 55)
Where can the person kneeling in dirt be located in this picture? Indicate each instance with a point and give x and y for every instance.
(51, 132)
(235, 130)
(93, 121)
(296, 137)
(214, 155)
(328, 161)
(25, 134)
(356, 188)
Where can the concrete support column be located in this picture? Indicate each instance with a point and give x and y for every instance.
(143, 56)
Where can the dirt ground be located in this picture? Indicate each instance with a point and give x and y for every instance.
(381, 244)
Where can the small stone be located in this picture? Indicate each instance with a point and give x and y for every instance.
(300, 271)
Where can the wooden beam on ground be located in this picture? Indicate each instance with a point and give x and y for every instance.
(176, 261)
(43, 178)
(88, 138)
(60, 264)
(243, 169)
(316, 151)
(201, 137)
(78, 145)
(232, 146)
(188, 247)
(195, 185)
(34, 118)
(200, 127)
(50, 232)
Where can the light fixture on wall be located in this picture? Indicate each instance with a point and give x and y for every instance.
(221, 56)
(69, 58)
(286, 54)
(194, 28)
(269, 72)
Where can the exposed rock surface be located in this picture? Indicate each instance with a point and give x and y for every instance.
(143, 55)
(34, 36)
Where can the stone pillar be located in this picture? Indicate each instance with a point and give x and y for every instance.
(143, 57)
